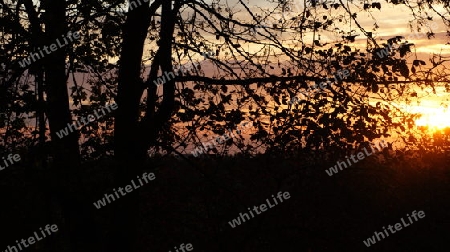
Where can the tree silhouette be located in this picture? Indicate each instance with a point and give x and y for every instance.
(261, 60)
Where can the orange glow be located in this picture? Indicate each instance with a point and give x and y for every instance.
(433, 118)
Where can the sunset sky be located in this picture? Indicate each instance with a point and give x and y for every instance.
(391, 21)
(395, 21)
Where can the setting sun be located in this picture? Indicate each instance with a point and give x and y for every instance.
(436, 118)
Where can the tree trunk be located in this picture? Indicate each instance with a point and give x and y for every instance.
(132, 137)
(65, 175)
(127, 139)
(130, 151)
(67, 150)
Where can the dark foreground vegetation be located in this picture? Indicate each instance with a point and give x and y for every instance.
(193, 203)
